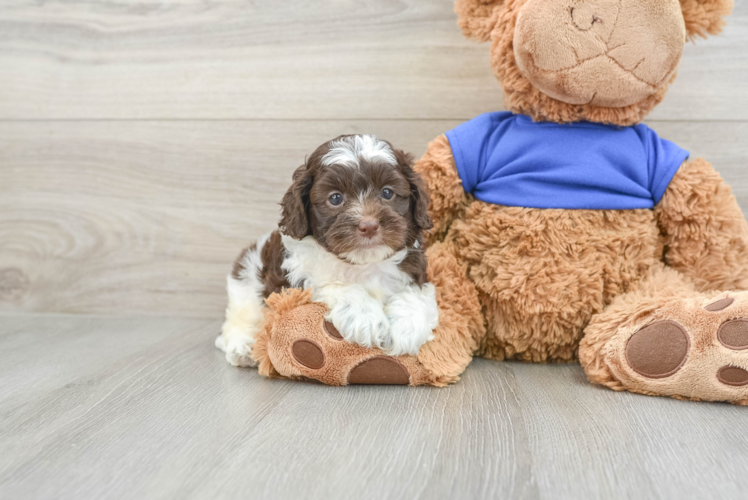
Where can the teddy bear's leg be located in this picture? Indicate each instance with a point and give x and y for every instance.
(668, 339)
(297, 342)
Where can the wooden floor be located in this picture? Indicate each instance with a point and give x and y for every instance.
(137, 408)
(143, 143)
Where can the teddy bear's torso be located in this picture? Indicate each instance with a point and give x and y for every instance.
(542, 273)
(561, 224)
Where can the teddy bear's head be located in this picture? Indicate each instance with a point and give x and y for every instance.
(606, 61)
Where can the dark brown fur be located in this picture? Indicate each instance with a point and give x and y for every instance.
(402, 220)
(239, 268)
(272, 275)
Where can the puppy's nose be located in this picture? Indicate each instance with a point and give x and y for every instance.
(368, 228)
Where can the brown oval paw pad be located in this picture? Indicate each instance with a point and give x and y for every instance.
(720, 304)
(732, 375)
(308, 353)
(379, 370)
(332, 331)
(658, 350)
(734, 334)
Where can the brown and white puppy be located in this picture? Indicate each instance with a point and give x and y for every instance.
(351, 230)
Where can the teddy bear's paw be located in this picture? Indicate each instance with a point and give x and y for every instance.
(690, 348)
(332, 357)
(304, 344)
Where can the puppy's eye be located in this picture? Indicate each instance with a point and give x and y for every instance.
(335, 199)
(387, 193)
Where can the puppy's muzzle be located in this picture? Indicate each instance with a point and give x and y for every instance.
(368, 228)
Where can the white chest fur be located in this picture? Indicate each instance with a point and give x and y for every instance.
(310, 266)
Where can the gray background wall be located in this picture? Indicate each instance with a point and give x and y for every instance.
(143, 144)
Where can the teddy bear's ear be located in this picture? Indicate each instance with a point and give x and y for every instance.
(477, 18)
(705, 17)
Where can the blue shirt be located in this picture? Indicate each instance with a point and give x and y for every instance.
(508, 159)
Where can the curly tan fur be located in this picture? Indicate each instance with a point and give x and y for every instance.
(448, 198)
(542, 274)
(705, 233)
(705, 17)
(476, 18)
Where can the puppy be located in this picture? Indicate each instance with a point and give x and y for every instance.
(351, 231)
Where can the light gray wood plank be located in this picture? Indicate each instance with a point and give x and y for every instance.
(660, 448)
(147, 217)
(326, 59)
(146, 408)
(121, 218)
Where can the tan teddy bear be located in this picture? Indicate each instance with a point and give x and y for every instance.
(564, 228)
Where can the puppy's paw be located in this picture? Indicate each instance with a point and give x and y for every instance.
(413, 315)
(360, 322)
(238, 350)
(406, 336)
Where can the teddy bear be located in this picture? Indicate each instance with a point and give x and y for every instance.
(564, 228)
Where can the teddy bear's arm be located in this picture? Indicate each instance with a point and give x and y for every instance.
(706, 234)
(448, 198)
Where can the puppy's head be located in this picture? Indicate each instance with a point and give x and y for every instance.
(359, 198)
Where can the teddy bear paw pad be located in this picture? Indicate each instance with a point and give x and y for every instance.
(719, 305)
(732, 375)
(733, 334)
(658, 350)
(382, 370)
(308, 353)
(332, 331)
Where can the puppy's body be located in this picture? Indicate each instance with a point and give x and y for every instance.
(351, 231)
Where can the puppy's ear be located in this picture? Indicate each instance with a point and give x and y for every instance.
(295, 205)
(419, 197)
(477, 18)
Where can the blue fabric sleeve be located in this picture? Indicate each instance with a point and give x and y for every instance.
(664, 158)
(469, 141)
